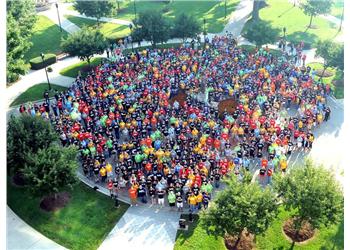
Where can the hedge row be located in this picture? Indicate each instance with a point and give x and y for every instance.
(37, 62)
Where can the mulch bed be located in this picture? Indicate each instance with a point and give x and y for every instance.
(246, 242)
(50, 204)
(306, 232)
(180, 98)
(18, 180)
(229, 105)
(327, 73)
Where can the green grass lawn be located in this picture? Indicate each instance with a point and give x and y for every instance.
(110, 30)
(82, 224)
(46, 38)
(196, 238)
(72, 71)
(282, 14)
(338, 90)
(35, 93)
(337, 8)
(326, 238)
(212, 11)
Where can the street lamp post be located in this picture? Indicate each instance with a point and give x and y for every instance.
(225, 8)
(58, 14)
(132, 45)
(135, 8)
(284, 32)
(204, 21)
(47, 76)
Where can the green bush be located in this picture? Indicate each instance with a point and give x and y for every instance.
(37, 62)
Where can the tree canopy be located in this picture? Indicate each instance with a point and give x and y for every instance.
(97, 9)
(332, 53)
(186, 26)
(261, 33)
(313, 194)
(85, 43)
(152, 26)
(51, 169)
(26, 135)
(20, 22)
(240, 206)
(314, 8)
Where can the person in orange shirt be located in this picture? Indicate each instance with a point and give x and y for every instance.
(133, 196)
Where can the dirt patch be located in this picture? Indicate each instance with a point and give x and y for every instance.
(49, 203)
(327, 73)
(18, 180)
(305, 233)
(246, 242)
(180, 98)
(229, 105)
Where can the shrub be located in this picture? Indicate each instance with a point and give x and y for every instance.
(166, 9)
(49, 69)
(37, 62)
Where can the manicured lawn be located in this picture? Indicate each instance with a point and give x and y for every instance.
(72, 71)
(46, 38)
(282, 14)
(326, 238)
(197, 238)
(110, 30)
(212, 11)
(82, 224)
(35, 93)
(337, 8)
(338, 90)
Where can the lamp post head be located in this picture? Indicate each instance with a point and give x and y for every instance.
(130, 26)
(56, 5)
(42, 55)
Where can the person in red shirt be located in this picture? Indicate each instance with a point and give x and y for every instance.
(133, 196)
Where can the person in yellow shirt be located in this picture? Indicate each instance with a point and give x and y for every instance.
(199, 199)
(192, 201)
(103, 173)
(283, 165)
(109, 170)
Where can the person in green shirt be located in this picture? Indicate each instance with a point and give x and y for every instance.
(171, 199)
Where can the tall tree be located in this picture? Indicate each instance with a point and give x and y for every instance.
(51, 169)
(332, 54)
(261, 33)
(97, 9)
(20, 22)
(85, 43)
(186, 26)
(312, 194)
(314, 8)
(241, 206)
(26, 135)
(152, 26)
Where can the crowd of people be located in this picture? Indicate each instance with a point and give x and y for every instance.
(134, 135)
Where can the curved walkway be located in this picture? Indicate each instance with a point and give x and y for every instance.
(21, 236)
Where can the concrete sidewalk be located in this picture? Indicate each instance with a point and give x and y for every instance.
(21, 236)
(144, 228)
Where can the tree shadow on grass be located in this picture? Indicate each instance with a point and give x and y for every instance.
(303, 36)
(336, 241)
(181, 235)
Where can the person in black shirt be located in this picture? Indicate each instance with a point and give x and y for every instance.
(142, 194)
(179, 202)
(152, 193)
(161, 194)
